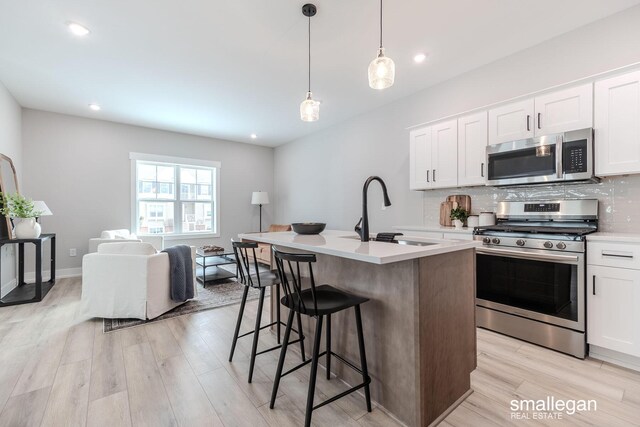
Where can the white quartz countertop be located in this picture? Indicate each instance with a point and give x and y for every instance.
(346, 244)
(434, 228)
(614, 237)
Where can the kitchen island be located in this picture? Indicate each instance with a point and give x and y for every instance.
(419, 323)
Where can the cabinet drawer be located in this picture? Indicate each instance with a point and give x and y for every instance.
(624, 255)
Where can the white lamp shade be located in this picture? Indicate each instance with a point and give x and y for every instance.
(382, 71)
(260, 198)
(309, 109)
(40, 206)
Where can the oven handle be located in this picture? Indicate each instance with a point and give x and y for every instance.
(527, 255)
(559, 163)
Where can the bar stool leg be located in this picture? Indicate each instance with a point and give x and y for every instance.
(363, 358)
(314, 371)
(256, 334)
(239, 322)
(301, 336)
(278, 311)
(328, 340)
(283, 354)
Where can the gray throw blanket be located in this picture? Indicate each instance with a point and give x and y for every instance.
(180, 272)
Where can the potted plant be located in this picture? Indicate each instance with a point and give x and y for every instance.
(17, 206)
(459, 216)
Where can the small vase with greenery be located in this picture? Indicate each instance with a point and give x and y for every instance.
(17, 206)
(459, 216)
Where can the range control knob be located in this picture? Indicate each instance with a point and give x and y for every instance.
(520, 242)
(495, 241)
(561, 245)
(486, 240)
(548, 245)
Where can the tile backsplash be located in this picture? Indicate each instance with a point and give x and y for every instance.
(619, 200)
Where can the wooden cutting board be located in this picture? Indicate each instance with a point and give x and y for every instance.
(462, 200)
(445, 212)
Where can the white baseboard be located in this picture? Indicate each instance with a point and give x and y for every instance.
(61, 273)
(8, 287)
(614, 357)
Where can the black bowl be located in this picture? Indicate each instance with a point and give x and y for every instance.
(308, 227)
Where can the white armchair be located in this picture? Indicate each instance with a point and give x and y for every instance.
(124, 235)
(127, 280)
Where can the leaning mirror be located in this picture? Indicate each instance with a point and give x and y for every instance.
(8, 185)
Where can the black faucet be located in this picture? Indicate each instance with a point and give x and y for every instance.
(363, 231)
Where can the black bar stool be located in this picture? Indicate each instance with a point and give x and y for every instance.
(318, 302)
(259, 281)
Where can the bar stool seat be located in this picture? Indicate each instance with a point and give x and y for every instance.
(328, 299)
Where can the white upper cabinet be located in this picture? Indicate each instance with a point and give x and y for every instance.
(511, 122)
(564, 110)
(617, 125)
(444, 152)
(472, 144)
(420, 159)
(554, 112)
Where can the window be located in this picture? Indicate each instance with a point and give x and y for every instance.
(160, 209)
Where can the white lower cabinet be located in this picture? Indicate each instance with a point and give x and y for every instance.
(613, 307)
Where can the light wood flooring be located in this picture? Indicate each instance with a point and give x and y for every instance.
(58, 369)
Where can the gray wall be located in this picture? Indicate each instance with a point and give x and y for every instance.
(80, 167)
(319, 177)
(10, 145)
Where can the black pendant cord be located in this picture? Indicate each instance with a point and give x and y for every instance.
(309, 55)
(380, 24)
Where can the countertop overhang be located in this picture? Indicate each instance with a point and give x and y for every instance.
(345, 244)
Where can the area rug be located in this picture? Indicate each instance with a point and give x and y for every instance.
(213, 296)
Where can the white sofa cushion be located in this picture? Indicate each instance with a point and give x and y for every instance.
(127, 248)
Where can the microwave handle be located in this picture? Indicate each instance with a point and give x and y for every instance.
(559, 167)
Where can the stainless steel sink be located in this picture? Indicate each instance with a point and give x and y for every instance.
(395, 242)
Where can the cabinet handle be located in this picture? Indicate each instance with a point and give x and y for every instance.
(528, 122)
(427, 175)
(482, 169)
(434, 175)
(539, 114)
(593, 289)
(626, 255)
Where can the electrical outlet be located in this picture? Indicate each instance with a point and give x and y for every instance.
(72, 252)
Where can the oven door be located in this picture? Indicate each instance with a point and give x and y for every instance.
(536, 284)
(527, 161)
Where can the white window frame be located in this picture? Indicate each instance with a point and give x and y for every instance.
(176, 161)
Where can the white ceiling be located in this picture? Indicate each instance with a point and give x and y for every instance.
(229, 68)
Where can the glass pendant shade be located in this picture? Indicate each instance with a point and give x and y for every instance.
(382, 71)
(309, 109)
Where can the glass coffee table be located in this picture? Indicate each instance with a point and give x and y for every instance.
(209, 263)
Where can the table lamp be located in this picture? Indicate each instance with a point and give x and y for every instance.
(260, 198)
(40, 206)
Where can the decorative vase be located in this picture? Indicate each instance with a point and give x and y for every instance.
(457, 223)
(27, 228)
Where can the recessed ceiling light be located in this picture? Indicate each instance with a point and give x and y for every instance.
(420, 57)
(94, 107)
(254, 136)
(77, 29)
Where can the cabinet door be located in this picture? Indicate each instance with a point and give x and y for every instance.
(617, 125)
(420, 159)
(511, 122)
(472, 145)
(564, 110)
(613, 318)
(444, 154)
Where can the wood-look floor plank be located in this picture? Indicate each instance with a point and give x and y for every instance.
(110, 411)
(378, 418)
(108, 375)
(42, 365)
(25, 409)
(197, 352)
(132, 336)
(69, 396)
(162, 341)
(79, 345)
(148, 400)
(231, 404)
(285, 414)
(189, 401)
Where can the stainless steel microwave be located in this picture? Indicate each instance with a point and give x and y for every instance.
(560, 157)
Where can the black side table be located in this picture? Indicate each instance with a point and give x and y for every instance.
(30, 292)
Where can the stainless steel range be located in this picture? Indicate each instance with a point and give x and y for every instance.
(531, 277)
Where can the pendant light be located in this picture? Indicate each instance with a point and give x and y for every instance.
(309, 109)
(382, 70)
